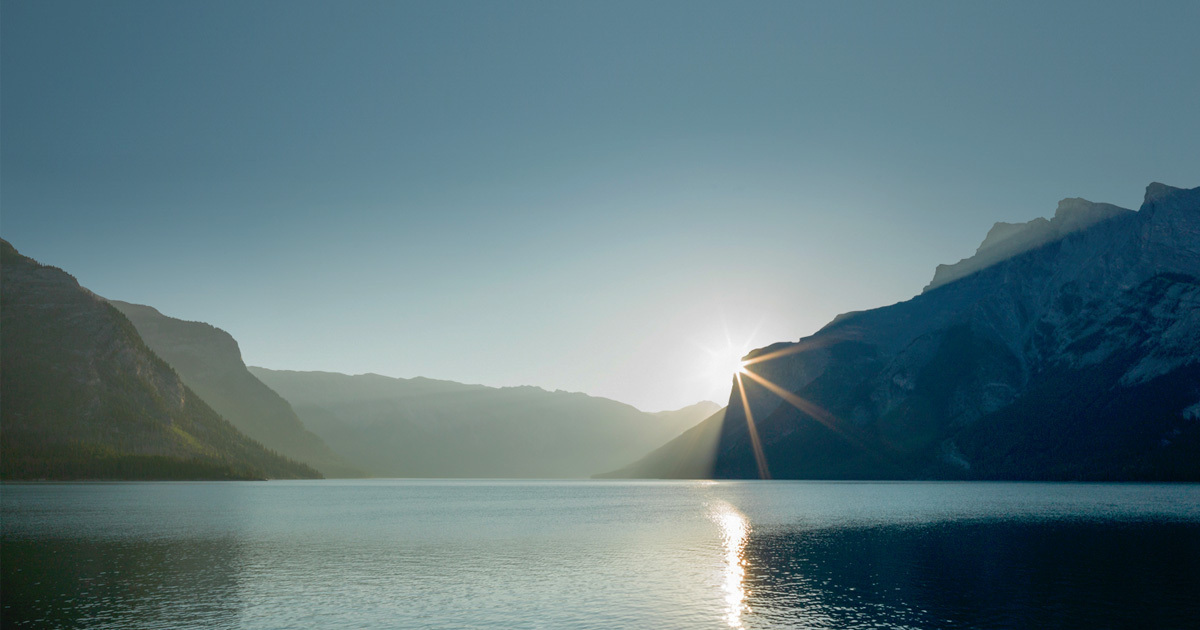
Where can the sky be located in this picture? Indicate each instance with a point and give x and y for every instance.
(604, 197)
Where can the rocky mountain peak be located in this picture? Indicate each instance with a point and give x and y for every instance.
(1178, 203)
(1076, 214)
(1005, 233)
(1173, 226)
(1066, 349)
(1158, 190)
(1006, 240)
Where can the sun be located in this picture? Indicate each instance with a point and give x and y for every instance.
(727, 361)
(718, 361)
(734, 365)
(723, 363)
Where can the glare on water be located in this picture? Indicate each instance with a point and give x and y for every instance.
(735, 528)
(592, 555)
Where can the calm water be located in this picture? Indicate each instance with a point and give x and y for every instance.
(604, 555)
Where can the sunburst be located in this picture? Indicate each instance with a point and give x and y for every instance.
(745, 370)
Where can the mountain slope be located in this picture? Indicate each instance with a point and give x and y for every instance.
(428, 428)
(688, 416)
(210, 363)
(1077, 356)
(84, 398)
(689, 456)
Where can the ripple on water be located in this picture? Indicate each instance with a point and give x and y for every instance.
(430, 554)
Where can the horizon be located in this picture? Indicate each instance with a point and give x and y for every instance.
(504, 197)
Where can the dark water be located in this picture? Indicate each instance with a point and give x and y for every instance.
(589, 554)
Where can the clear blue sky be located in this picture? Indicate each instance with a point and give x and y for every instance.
(575, 196)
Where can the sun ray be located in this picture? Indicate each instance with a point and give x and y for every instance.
(724, 360)
(799, 346)
(846, 431)
(760, 458)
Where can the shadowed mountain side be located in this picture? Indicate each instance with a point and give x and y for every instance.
(210, 363)
(427, 428)
(84, 398)
(689, 456)
(1076, 359)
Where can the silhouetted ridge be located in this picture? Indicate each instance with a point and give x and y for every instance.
(1074, 355)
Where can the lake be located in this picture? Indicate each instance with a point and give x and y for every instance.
(599, 554)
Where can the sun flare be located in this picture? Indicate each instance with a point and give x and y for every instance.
(720, 361)
(724, 363)
(735, 366)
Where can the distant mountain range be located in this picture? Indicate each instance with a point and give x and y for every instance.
(104, 389)
(1066, 348)
(83, 397)
(420, 427)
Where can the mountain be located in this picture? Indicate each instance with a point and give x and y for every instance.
(689, 456)
(688, 416)
(429, 428)
(1006, 240)
(85, 398)
(210, 363)
(1064, 349)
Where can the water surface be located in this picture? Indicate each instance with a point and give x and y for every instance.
(599, 554)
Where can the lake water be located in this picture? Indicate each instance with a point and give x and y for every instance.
(598, 554)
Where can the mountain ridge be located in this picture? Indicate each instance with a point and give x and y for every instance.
(209, 360)
(1005, 240)
(958, 381)
(429, 428)
(84, 397)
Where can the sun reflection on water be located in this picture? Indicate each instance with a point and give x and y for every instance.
(734, 530)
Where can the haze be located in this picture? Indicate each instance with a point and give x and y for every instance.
(588, 198)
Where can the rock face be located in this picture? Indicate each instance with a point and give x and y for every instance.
(1006, 240)
(210, 363)
(422, 427)
(84, 398)
(1064, 349)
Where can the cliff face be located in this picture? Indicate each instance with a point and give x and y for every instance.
(83, 397)
(1065, 349)
(210, 363)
